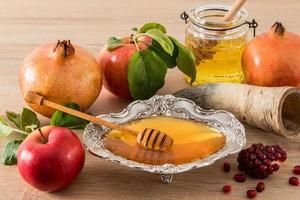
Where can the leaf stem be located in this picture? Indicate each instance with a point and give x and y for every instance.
(19, 131)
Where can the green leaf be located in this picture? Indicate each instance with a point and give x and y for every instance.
(5, 128)
(135, 29)
(3, 121)
(14, 118)
(9, 154)
(26, 118)
(29, 118)
(114, 43)
(167, 58)
(185, 59)
(152, 25)
(69, 121)
(162, 39)
(146, 74)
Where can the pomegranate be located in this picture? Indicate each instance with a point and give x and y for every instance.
(63, 73)
(273, 58)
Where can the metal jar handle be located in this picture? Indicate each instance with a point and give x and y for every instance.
(252, 24)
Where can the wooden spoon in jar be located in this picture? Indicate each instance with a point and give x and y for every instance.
(236, 6)
(148, 138)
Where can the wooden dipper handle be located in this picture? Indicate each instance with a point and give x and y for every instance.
(233, 10)
(35, 98)
(148, 138)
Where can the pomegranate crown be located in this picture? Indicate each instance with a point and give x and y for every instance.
(68, 48)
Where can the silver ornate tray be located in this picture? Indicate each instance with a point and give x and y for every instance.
(167, 105)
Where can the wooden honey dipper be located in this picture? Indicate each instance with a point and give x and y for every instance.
(148, 138)
(236, 6)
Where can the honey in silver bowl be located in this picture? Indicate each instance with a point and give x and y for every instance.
(192, 141)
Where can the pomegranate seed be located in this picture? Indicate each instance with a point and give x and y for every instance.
(275, 167)
(240, 177)
(294, 181)
(251, 194)
(226, 167)
(296, 170)
(262, 168)
(267, 162)
(278, 156)
(270, 170)
(262, 156)
(260, 186)
(252, 156)
(251, 149)
(257, 163)
(226, 188)
(283, 157)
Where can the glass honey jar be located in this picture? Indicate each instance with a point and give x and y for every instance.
(218, 46)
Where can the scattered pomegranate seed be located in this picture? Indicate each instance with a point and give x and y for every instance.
(251, 194)
(226, 188)
(296, 170)
(294, 181)
(240, 177)
(260, 186)
(226, 167)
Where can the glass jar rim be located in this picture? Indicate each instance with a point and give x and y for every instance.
(197, 16)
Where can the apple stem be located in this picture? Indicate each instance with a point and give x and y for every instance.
(135, 43)
(42, 135)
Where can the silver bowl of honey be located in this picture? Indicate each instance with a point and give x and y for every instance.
(200, 136)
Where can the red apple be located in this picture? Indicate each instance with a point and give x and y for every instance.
(115, 64)
(51, 159)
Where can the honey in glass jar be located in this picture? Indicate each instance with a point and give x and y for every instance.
(218, 46)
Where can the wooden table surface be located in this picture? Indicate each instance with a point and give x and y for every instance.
(27, 24)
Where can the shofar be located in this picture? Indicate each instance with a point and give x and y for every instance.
(274, 109)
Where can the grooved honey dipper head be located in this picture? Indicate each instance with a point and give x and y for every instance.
(155, 140)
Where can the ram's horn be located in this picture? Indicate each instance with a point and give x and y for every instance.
(274, 109)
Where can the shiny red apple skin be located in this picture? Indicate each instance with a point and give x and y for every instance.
(53, 165)
(114, 65)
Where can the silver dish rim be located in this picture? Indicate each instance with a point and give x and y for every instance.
(167, 105)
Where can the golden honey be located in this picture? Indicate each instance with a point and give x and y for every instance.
(218, 45)
(192, 141)
(219, 61)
